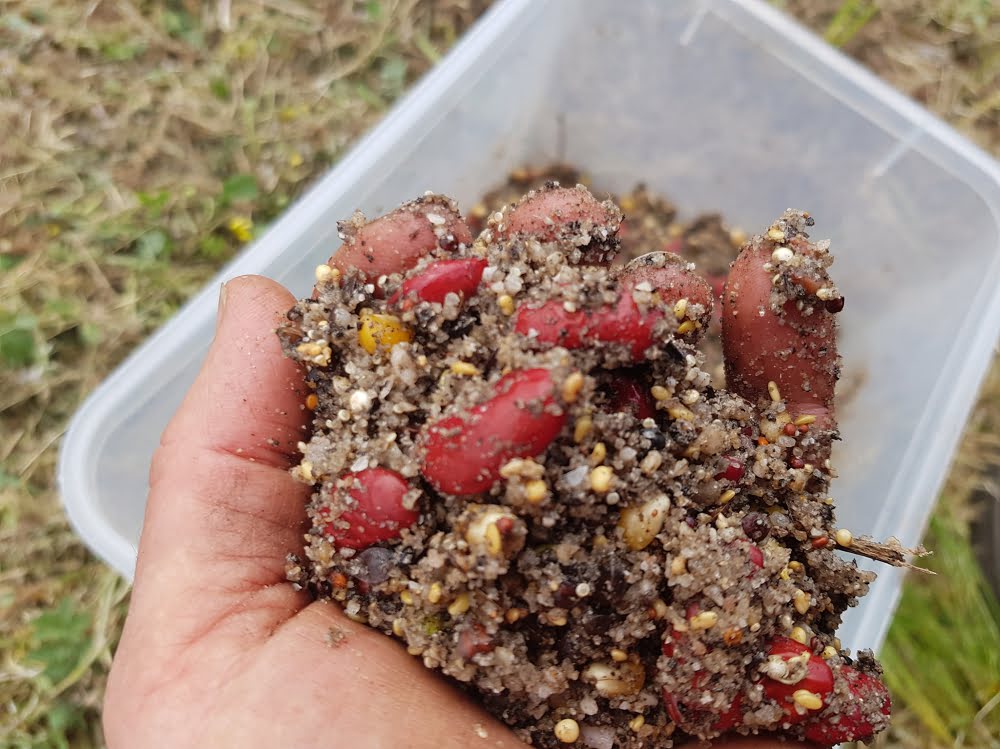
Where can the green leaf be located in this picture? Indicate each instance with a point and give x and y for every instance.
(393, 75)
(239, 188)
(17, 342)
(851, 17)
(60, 639)
(213, 247)
(220, 88)
(374, 10)
(8, 480)
(153, 245)
(64, 308)
(123, 50)
(7, 262)
(90, 334)
(153, 202)
(61, 718)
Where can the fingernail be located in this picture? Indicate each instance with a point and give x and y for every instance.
(223, 291)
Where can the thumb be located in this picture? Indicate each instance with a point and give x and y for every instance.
(223, 511)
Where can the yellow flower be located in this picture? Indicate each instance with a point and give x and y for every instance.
(241, 227)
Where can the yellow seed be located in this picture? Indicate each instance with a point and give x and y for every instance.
(799, 635)
(738, 237)
(829, 652)
(572, 386)
(415, 650)
(640, 524)
(704, 620)
(837, 644)
(598, 454)
(494, 541)
(680, 308)
(843, 537)
(681, 413)
(536, 491)
(795, 566)
(785, 574)
(434, 593)
(464, 368)
(678, 566)
(582, 428)
(312, 401)
(775, 234)
(802, 601)
(686, 327)
(506, 304)
(804, 420)
(460, 605)
(309, 348)
(406, 597)
(514, 615)
(618, 655)
(397, 627)
(600, 479)
(659, 392)
(557, 618)
(660, 608)
(567, 730)
(727, 496)
(773, 391)
(323, 273)
(808, 700)
(637, 722)
(381, 330)
(306, 470)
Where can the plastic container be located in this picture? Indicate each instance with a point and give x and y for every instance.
(724, 105)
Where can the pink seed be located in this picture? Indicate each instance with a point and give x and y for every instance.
(463, 453)
(378, 513)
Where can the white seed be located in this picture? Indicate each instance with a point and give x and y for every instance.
(843, 537)
(782, 255)
(360, 401)
(618, 680)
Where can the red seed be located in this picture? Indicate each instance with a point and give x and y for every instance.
(463, 453)
(378, 515)
(622, 323)
(630, 394)
(756, 556)
(687, 716)
(852, 725)
(819, 543)
(473, 640)
(734, 470)
(818, 678)
(437, 280)
(791, 430)
(797, 463)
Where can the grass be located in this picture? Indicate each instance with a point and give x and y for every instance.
(145, 142)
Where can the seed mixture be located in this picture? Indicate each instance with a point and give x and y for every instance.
(524, 472)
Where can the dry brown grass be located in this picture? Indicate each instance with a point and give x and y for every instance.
(143, 142)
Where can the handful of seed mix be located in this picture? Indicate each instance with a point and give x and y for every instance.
(522, 472)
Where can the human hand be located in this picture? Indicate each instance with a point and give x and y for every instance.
(218, 649)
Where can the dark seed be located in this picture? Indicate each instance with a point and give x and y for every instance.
(756, 526)
(657, 440)
(833, 306)
(373, 565)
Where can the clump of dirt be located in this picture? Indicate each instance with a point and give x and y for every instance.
(524, 471)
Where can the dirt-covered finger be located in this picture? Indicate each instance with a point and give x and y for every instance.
(779, 326)
(396, 241)
(564, 213)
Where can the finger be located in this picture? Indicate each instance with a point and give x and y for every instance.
(564, 213)
(793, 344)
(223, 510)
(674, 280)
(396, 241)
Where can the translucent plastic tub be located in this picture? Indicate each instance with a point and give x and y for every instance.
(723, 105)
